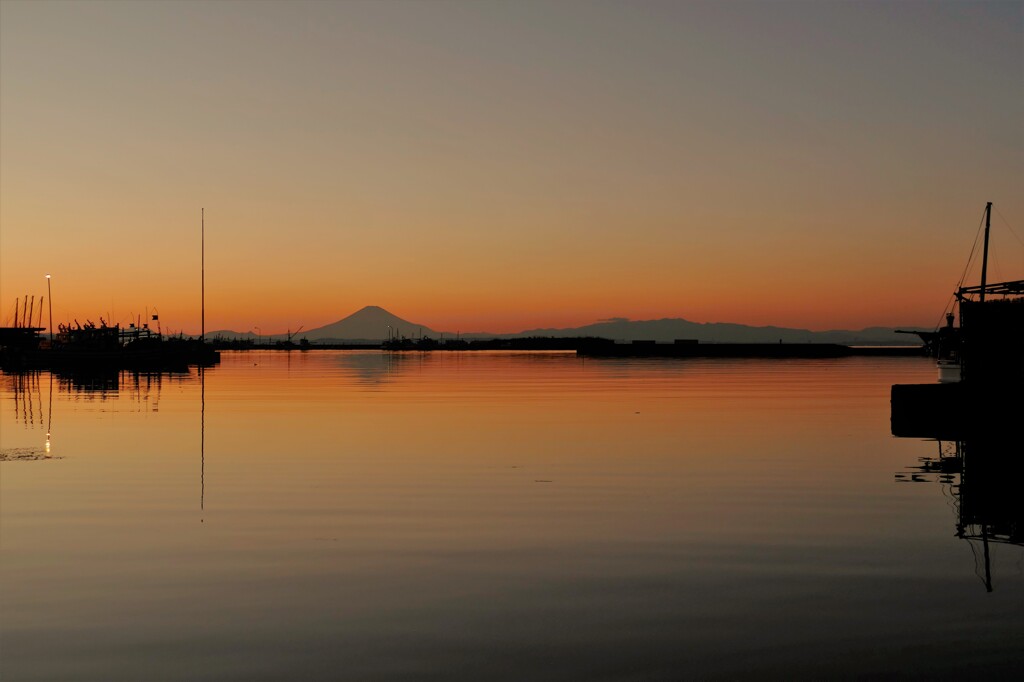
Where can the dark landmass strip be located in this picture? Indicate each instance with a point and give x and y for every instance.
(599, 347)
(692, 349)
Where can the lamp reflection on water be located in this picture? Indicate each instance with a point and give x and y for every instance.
(49, 412)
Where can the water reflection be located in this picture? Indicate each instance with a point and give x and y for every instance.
(370, 368)
(202, 442)
(27, 395)
(373, 369)
(702, 520)
(32, 394)
(26, 390)
(978, 466)
(141, 387)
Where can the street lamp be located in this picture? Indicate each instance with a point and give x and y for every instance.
(49, 296)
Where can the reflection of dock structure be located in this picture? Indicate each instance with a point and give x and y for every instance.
(27, 392)
(142, 389)
(983, 477)
(33, 398)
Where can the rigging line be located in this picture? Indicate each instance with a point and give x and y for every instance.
(997, 269)
(948, 308)
(947, 493)
(974, 248)
(977, 562)
(1007, 223)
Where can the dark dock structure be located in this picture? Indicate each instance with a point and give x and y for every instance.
(988, 350)
(991, 386)
(102, 347)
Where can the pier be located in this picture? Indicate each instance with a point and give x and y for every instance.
(692, 349)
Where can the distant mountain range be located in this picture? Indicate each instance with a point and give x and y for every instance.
(373, 324)
(670, 329)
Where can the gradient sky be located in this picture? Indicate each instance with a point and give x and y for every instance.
(505, 165)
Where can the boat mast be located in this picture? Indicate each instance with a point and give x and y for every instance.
(202, 267)
(984, 257)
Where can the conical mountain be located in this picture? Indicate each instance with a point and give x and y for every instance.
(371, 323)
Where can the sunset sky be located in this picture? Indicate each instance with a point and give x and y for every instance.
(497, 166)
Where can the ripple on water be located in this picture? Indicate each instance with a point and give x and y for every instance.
(25, 455)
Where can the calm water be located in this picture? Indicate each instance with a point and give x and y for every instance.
(362, 516)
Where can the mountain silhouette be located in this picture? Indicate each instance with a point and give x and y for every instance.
(373, 324)
(369, 323)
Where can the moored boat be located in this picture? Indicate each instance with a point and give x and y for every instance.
(989, 343)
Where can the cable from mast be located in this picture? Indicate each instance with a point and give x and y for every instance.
(974, 248)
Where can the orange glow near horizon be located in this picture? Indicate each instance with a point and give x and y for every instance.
(828, 289)
(841, 282)
(718, 166)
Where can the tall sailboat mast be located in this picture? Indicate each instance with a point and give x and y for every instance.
(202, 267)
(984, 257)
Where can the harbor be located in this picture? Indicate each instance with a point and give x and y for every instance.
(101, 347)
(540, 341)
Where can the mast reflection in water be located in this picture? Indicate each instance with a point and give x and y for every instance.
(979, 467)
(27, 395)
(134, 392)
